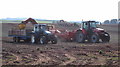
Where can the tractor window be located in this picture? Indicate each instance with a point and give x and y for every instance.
(43, 27)
(36, 28)
(85, 26)
(93, 25)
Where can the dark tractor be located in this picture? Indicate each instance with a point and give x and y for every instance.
(90, 32)
(42, 35)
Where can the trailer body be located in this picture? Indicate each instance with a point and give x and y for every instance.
(20, 34)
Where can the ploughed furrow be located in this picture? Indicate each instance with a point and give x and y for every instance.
(71, 59)
(41, 59)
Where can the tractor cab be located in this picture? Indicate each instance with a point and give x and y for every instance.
(39, 27)
(87, 25)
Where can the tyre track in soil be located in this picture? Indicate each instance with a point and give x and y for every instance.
(69, 61)
(101, 60)
(17, 57)
(41, 58)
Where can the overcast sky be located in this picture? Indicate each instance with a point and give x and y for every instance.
(75, 10)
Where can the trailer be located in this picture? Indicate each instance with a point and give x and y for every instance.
(18, 34)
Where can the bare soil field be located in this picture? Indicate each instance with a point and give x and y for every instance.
(62, 53)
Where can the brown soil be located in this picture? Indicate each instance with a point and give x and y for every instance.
(62, 53)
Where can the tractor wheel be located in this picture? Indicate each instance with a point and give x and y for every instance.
(33, 40)
(54, 40)
(16, 39)
(106, 38)
(80, 37)
(43, 40)
(94, 38)
(27, 40)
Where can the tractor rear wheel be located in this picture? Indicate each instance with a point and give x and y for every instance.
(80, 37)
(94, 38)
(16, 39)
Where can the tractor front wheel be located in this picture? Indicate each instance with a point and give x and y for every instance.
(14, 39)
(94, 38)
(43, 40)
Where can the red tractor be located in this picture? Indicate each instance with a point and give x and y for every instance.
(88, 32)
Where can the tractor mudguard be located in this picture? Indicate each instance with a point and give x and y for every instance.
(105, 37)
(53, 39)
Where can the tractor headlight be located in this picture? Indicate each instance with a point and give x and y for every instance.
(106, 34)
